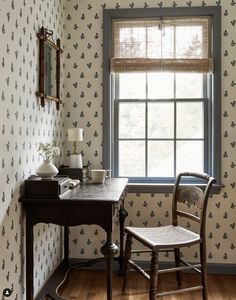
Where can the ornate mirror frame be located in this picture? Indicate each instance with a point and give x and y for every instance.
(45, 37)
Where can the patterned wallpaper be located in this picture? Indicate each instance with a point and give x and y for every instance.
(83, 90)
(23, 123)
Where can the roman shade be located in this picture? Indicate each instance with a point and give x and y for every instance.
(173, 44)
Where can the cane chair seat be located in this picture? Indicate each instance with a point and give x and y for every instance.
(164, 237)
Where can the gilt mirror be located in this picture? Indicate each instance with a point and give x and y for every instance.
(49, 67)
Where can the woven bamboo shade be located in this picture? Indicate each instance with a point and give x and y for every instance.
(165, 44)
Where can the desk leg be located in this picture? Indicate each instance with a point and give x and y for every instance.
(66, 245)
(29, 259)
(109, 250)
(122, 216)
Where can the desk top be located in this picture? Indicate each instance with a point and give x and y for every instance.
(109, 192)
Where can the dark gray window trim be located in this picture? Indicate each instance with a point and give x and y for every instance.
(215, 134)
(162, 188)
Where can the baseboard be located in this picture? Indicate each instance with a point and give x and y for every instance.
(212, 268)
(225, 269)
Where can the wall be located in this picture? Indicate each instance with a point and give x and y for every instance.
(83, 88)
(23, 123)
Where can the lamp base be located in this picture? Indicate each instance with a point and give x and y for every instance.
(76, 161)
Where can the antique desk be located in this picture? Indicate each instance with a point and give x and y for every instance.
(87, 204)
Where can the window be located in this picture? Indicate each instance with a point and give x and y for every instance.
(161, 93)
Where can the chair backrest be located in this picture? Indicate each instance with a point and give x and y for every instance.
(192, 195)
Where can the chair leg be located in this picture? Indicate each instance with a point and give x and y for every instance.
(177, 264)
(154, 275)
(204, 270)
(127, 257)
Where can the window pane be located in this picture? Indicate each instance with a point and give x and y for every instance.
(132, 86)
(190, 120)
(133, 42)
(189, 155)
(160, 120)
(160, 45)
(160, 85)
(160, 159)
(153, 42)
(189, 85)
(189, 41)
(132, 158)
(132, 120)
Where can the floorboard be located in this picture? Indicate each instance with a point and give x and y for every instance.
(91, 285)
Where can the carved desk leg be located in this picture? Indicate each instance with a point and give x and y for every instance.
(29, 258)
(122, 216)
(109, 250)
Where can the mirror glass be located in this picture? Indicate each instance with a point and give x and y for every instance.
(50, 71)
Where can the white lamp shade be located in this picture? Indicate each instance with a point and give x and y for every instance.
(75, 134)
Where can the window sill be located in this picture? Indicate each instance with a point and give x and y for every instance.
(162, 188)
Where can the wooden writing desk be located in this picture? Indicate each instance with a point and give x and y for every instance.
(87, 204)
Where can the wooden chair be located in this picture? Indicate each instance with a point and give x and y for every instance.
(173, 237)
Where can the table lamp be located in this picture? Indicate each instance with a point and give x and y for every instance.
(75, 135)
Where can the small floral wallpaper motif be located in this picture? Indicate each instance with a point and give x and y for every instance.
(83, 107)
(23, 124)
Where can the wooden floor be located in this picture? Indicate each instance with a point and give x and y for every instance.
(90, 285)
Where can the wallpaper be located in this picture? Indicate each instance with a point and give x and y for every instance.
(23, 124)
(83, 107)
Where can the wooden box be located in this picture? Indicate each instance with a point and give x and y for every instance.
(74, 173)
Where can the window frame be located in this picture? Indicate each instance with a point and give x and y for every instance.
(214, 124)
